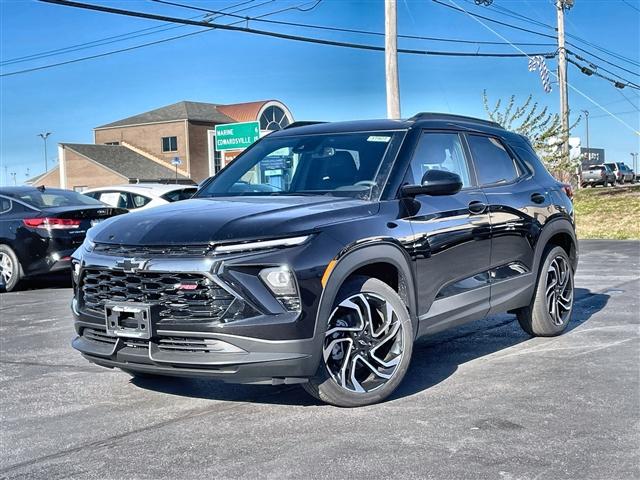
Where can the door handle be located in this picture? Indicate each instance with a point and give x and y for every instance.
(477, 207)
(538, 198)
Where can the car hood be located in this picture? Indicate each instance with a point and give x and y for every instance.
(206, 220)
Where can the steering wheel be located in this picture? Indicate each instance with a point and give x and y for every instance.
(365, 183)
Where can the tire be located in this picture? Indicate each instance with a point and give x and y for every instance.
(10, 268)
(549, 313)
(351, 354)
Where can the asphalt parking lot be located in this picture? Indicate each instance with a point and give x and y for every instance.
(482, 401)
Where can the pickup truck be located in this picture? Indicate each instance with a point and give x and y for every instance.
(597, 175)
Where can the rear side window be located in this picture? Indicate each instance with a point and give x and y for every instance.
(493, 162)
(5, 205)
(115, 199)
(177, 195)
(139, 200)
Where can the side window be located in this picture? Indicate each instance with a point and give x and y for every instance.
(439, 151)
(139, 200)
(493, 162)
(5, 205)
(115, 199)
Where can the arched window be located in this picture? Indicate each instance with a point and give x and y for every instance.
(273, 118)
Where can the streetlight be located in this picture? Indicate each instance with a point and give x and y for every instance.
(634, 159)
(44, 137)
(586, 115)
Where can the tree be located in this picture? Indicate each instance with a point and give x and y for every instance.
(543, 129)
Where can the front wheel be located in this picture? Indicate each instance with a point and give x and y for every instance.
(550, 310)
(367, 346)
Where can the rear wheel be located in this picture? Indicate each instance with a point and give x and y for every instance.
(367, 346)
(10, 269)
(550, 310)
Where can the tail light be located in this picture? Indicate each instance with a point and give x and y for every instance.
(51, 223)
(568, 189)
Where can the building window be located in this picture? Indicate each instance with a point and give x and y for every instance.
(273, 118)
(217, 162)
(169, 144)
(112, 143)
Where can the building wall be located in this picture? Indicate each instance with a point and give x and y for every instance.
(51, 179)
(149, 138)
(199, 150)
(82, 172)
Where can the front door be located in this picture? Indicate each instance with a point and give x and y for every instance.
(452, 238)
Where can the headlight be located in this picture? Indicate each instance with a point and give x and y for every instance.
(259, 245)
(282, 283)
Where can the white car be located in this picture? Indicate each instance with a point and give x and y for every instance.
(141, 195)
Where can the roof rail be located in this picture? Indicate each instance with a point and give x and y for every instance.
(302, 123)
(452, 117)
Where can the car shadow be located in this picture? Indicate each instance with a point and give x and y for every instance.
(434, 360)
(54, 280)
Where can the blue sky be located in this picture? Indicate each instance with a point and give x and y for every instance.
(316, 82)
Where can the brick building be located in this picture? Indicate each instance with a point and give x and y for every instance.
(141, 147)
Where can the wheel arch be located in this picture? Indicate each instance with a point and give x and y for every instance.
(558, 232)
(385, 261)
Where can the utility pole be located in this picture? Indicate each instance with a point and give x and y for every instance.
(391, 58)
(44, 137)
(634, 161)
(561, 5)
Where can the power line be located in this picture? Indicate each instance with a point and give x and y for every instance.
(211, 26)
(601, 107)
(123, 36)
(631, 5)
(597, 67)
(629, 112)
(589, 72)
(353, 30)
(530, 20)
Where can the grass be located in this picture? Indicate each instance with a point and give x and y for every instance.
(610, 213)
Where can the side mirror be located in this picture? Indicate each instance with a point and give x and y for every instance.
(434, 182)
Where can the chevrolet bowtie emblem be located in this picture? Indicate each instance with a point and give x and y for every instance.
(129, 264)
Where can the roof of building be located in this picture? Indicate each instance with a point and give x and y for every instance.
(194, 111)
(123, 161)
(37, 178)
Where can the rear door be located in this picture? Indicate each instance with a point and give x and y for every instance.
(518, 207)
(452, 237)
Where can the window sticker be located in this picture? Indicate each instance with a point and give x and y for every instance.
(378, 138)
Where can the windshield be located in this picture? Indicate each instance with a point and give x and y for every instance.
(54, 198)
(346, 165)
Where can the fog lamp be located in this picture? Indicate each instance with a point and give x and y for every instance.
(280, 281)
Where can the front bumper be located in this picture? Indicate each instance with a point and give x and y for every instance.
(274, 346)
(261, 362)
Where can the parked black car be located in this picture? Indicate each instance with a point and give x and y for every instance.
(322, 252)
(41, 227)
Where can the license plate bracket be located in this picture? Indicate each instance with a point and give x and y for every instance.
(130, 320)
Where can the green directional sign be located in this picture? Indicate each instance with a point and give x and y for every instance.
(236, 136)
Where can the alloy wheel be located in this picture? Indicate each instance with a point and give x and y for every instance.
(364, 344)
(559, 290)
(6, 267)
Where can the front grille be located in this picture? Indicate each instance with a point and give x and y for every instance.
(153, 250)
(99, 336)
(181, 296)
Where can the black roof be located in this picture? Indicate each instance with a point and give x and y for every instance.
(421, 120)
(123, 161)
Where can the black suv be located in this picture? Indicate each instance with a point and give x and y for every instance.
(324, 251)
